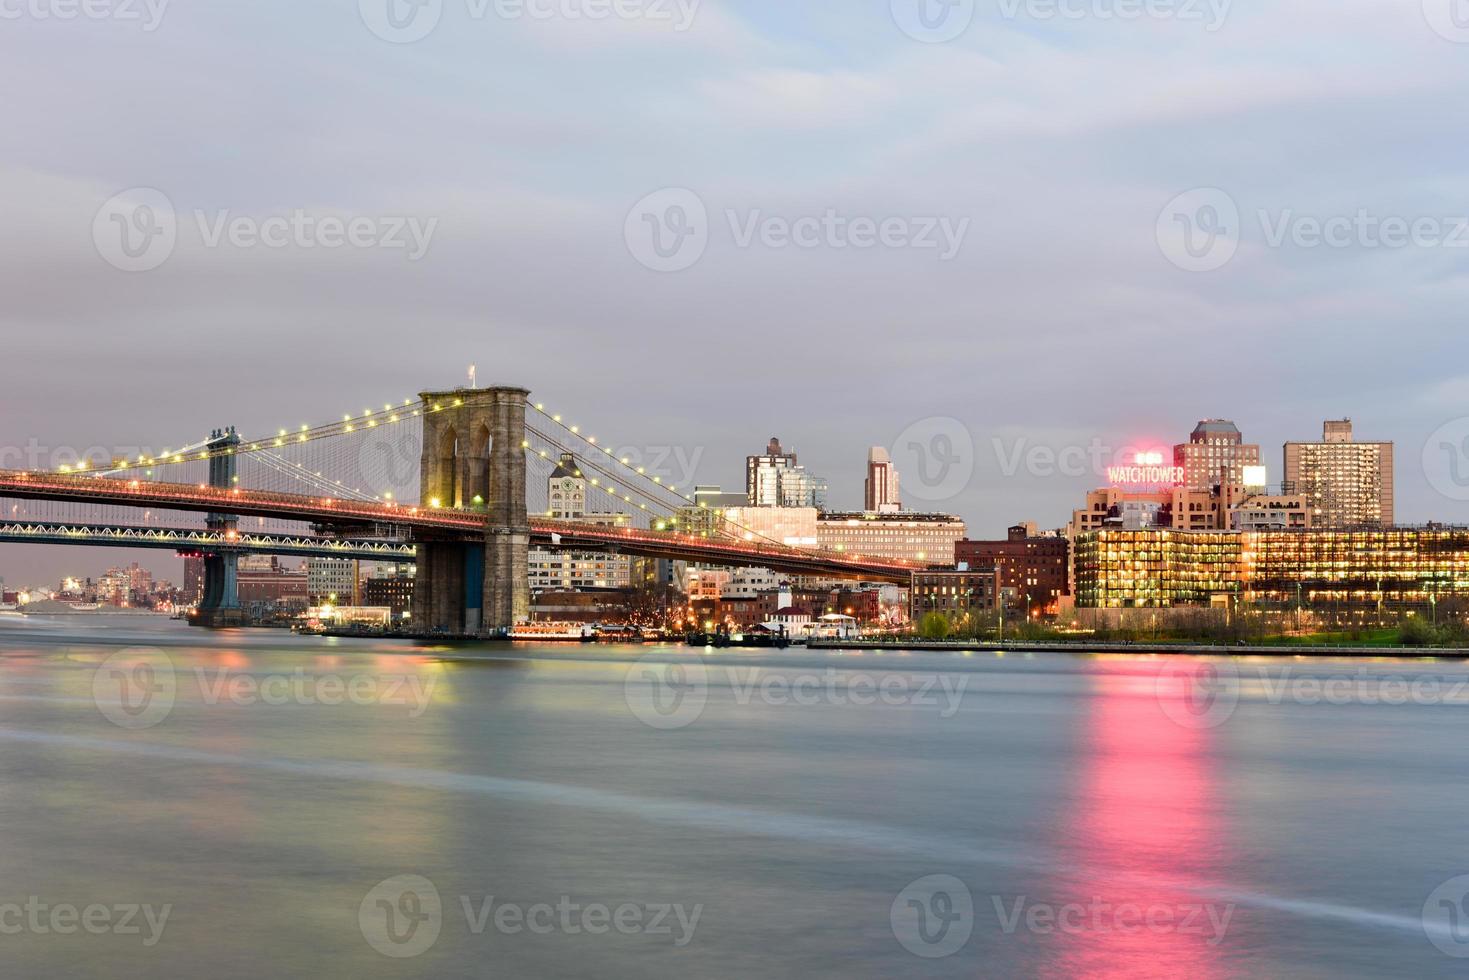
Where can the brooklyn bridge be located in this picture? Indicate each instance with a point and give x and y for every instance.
(468, 517)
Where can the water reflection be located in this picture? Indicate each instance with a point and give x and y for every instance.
(1146, 818)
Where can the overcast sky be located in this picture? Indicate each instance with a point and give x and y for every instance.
(1001, 242)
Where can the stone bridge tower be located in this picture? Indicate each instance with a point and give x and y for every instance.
(474, 458)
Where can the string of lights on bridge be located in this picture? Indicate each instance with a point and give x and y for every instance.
(601, 459)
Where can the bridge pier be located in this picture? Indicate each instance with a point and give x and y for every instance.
(474, 458)
(220, 603)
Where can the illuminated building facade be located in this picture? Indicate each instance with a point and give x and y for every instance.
(1347, 570)
(1346, 483)
(924, 538)
(1123, 568)
(1216, 454)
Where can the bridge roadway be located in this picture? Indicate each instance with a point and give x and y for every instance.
(201, 539)
(440, 524)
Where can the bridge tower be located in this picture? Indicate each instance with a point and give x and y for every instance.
(474, 458)
(220, 603)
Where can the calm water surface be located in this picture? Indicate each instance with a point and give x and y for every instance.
(343, 808)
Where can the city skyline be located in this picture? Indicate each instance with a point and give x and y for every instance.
(880, 125)
(1050, 470)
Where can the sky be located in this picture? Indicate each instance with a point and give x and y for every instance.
(988, 235)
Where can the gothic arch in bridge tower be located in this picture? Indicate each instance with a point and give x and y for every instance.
(477, 467)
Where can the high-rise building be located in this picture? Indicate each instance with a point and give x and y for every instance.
(881, 488)
(193, 579)
(1345, 483)
(1216, 454)
(777, 480)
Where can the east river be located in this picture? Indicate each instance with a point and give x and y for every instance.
(177, 803)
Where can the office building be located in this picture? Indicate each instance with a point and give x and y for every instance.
(957, 594)
(880, 491)
(1217, 455)
(919, 538)
(553, 569)
(1349, 572)
(777, 480)
(1034, 569)
(332, 580)
(1345, 483)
